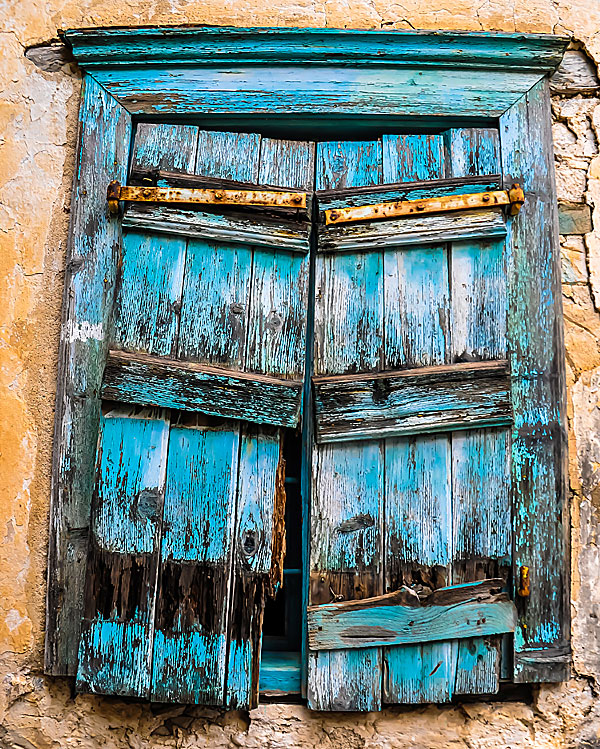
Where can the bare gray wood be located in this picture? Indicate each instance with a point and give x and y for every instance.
(170, 383)
(402, 618)
(429, 399)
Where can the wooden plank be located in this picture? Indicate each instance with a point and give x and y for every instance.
(190, 639)
(115, 649)
(345, 560)
(207, 46)
(401, 618)
(480, 473)
(429, 399)
(279, 236)
(152, 380)
(418, 553)
(146, 316)
(257, 566)
(104, 135)
(228, 155)
(426, 230)
(279, 299)
(408, 158)
(417, 300)
(217, 285)
(280, 673)
(345, 555)
(539, 442)
(149, 150)
(236, 91)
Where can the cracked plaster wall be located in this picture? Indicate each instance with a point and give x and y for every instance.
(38, 112)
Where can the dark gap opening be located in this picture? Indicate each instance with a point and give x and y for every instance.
(324, 127)
(282, 625)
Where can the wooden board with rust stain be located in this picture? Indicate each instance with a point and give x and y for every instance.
(402, 617)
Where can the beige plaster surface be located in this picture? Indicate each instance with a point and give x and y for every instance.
(38, 115)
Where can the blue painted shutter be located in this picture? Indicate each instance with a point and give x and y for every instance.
(403, 492)
(186, 534)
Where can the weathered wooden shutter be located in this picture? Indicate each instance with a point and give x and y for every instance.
(205, 370)
(411, 480)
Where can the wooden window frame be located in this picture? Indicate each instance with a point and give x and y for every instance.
(416, 77)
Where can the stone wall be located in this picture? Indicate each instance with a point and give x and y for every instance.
(38, 115)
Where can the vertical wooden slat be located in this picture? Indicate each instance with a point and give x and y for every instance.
(190, 639)
(480, 467)
(150, 282)
(104, 137)
(418, 517)
(257, 565)
(115, 649)
(539, 443)
(347, 480)
(418, 554)
(218, 278)
(278, 308)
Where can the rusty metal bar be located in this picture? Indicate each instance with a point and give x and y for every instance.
(203, 196)
(396, 209)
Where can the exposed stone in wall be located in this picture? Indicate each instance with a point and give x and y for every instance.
(38, 115)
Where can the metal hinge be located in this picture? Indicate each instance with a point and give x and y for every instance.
(203, 196)
(514, 198)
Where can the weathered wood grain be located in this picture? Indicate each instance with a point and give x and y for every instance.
(104, 134)
(190, 638)
(429, 399)
(347, 487)
(229, 90)
(400, 618)
(206, 46)
(418, 552)
(429, 230)
(418, 491)
(217, 286)
(230, 230)
(539, 444)
(480, 462)
(115, 648)
(257, 565)
(149, 291)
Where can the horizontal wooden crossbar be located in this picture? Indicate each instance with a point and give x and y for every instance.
(428, 399)
(440, 204)
(170, 383)
(401, 618)
(204, 196)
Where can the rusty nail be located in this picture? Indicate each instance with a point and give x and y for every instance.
(485, 197)
(420, 207)
(296, 199)
(218, 196)
(333, 215)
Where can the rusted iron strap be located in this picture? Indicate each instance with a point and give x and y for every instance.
(203, 196)
(396, 209)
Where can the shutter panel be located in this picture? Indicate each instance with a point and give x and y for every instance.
(432, 301)
(199, 537)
